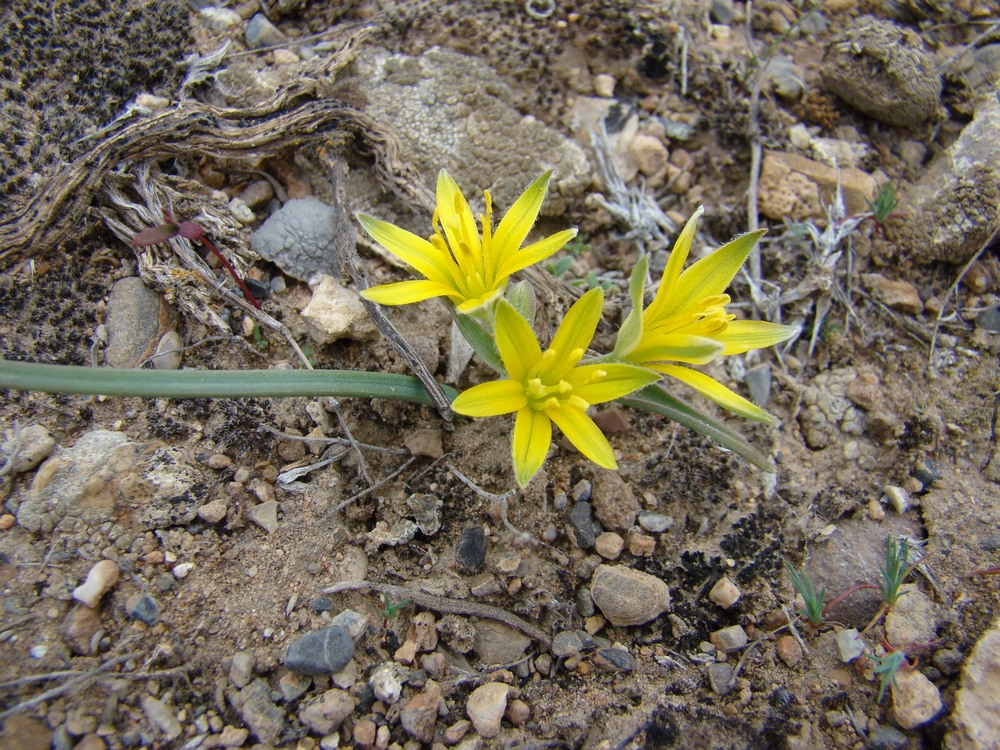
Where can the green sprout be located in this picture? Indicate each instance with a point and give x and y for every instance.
(813, 611)
(259, 339)
(886, 668)
(885, 203)
(894, 571)
(390, 611)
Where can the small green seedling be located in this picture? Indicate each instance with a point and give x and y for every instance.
(886, 668)
(390, 611)
(813, 611)
(259, 339)
(884, 205)
(895, 570)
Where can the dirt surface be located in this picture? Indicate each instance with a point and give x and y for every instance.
(887, 401)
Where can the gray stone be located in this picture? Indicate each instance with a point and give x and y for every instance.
(335, 312)
(470, 552)
(655, 523)
(134, 321)
(614, 660)
(241, 671)
(304, 239)
(849, 645)
(486, 706)
(912, 619)
(723, 12)
(758, 380)
(497, 643)
(720, 678)
(628, 597)
(161, 717)
(566, 643)
(877, 68)
(327, 712)
(885, 737)
(293, 685)
(168, 352)
(615, 505)
(419, 715)
(219, 20)
(265, 515)
(262, 33)
(581, 522)
(143, 607)
(254, 704)
(989, 319)
(24, 449)
(976, 715)
(948, 660)
(321, 652)
(582, 491)
(786, 77)
(729, 639)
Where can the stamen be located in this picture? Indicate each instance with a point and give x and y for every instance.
(578, 402)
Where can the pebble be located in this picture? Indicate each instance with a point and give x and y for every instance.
(38, 652)
(258, 711)
(849, 645)
(518, 712)
(386, 683)
(604, 85)
(28, 449)
(79, 628)
(724, 593)
(641, 545)
(884, 737)
(182, 570)
(364, 732)
(758, 380)
(614, 660)
(915, 699)
(655, 523)
(161, 717)
(419, 714)
(628, 597)
(497, 643)
(169, 350)
(327, 712)
(323, 651)
(948, 660)
(425, 442)
(875, 510)
(566, 643)
(723, 12)
(615, 505)
(241, 671)
(213, 512)
(470, 552)
(262, 33)
(720, 678)
(609, 545)
(454, 734)
(486, 706)
(426, 511)
(976, 715)
(789, 650)
(133, 322)
(301, 238)
(258, 194)
(335, 312)
(143, 607)
(293, 685)
(580, 523)
(912, 619)
(895, 293)
(219, 20)
(582, 491)
(231, 737)
(265, 515)
(7, 521)
(897, 497)
(729, 639)
(101, 578)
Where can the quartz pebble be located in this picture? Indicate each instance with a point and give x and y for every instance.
(161, 717)
(628, 597)
(729, 639)
(101, 578)
(915, 699)
(655, 523)
(486, 706)
(265, 515)
(385, 683)
(849, 645)
(724, 593)
(241, 671)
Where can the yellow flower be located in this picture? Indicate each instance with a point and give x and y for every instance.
(687, 321)
(551, 386)
(467, 265)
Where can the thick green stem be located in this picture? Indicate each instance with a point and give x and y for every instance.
(108, 381)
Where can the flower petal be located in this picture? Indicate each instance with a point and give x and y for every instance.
(676, 347)
(573, 335)
(532, 437)
(518, 221)
(714, 390)
(678, 257)
(491, 399)
(413, 250)
(534, 253)
(459, 224)
(581, 431)
(596, 384)
(743, 335)
(516, 342)
(713, 273)
(406, 292)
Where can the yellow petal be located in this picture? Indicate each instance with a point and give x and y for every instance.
(678, 257)
(715, 391)
(713, 273)
(518, 221)
(532, 437)
(459, 224)
(574, 335)
(406, 292)
(743, 335)
(534, 253)
(413, 250)
(596, 384)
(581, 431)
(516, 342)
(676, 347)
(491, 399)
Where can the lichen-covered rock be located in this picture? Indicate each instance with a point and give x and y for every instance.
(304, 238)
(884, 72)
(453, 111)
(955, 206)
(166, 487)
(25, 449)
(976, 715)
(794, 187)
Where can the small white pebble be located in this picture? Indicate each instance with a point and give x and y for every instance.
(37, 652)
(897, 497)
(181, 571)
(241, 211)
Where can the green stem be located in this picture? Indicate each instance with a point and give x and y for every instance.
(108, 381)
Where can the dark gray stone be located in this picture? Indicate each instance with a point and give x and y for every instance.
(989, 319)
(723, 12)
(262, 33)
(321, 652)
(566, 643)
(581, 520)
(582, 491)
(144, 608)
(887, 738)
(304, 237)
(471, 549)
(758, 380)
(323, 604)
(614, 660)
(948, 660)
(720, 678)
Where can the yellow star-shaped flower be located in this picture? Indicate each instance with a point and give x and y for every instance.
(467, 265)
(687, 321)
(551, 386)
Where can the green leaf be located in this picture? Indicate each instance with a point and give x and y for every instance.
(656, 400)
(480, 341)
(630, 333)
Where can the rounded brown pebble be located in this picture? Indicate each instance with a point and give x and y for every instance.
(628, 597)
(789, 650)
(518, 712)
(364, 732)
(609, 545)
(6, 521)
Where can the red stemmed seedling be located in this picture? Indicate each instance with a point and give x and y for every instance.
(189, 230)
